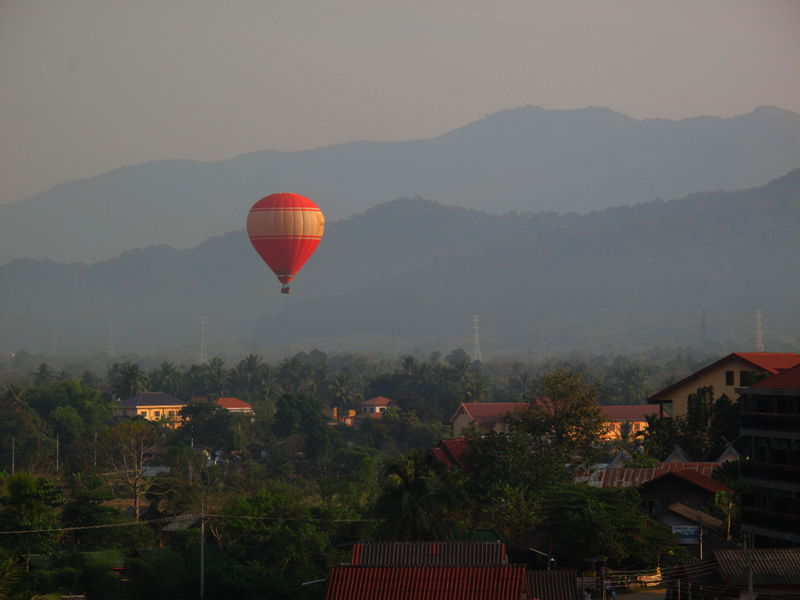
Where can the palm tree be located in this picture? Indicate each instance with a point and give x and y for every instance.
(128, 379)
(413, 501)
(166, 378)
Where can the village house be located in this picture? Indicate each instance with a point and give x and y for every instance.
(738, 369)
(484, 416)
(152, 406)
(690, 488)
(235, 406)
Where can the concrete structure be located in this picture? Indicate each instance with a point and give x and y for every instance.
(770, 440)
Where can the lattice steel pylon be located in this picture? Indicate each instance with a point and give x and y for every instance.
(476, 342)
(203, 339)
(759, 331)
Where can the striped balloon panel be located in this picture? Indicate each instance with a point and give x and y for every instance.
(285, 229)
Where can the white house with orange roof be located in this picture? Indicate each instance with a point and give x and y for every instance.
(725, 375)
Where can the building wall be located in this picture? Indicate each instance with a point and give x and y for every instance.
(718, 378)
(770, 440)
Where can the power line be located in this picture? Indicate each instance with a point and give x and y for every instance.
(187, 517)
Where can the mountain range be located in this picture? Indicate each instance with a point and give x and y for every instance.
(409, 274)
(526, 160)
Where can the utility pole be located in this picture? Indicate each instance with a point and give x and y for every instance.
(202, 551)
(476, 341)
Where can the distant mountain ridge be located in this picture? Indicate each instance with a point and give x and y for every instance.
(526, 159)
(409, 274)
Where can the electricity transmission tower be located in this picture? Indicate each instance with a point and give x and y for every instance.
(476, 341)
(203, 339)
(759, 331)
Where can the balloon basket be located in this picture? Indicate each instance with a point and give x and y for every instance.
(286, 290)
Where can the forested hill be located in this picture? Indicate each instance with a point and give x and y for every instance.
(408, 275)
(525, 159)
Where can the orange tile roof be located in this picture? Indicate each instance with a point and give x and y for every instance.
(230, 403)
(772, 362)
(785, 380)
(377, 401)
(449, 452)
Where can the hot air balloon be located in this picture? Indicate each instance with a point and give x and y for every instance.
(285, 229)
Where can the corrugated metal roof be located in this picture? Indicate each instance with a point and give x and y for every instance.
(560, 584)
(696, 516)
(615, 478)
(427, 583)
(429, 554)
(771, 566)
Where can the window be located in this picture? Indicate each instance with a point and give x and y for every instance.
(156, 413)
(143, 413)
(728, 377)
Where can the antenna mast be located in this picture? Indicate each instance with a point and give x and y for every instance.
(476, 342)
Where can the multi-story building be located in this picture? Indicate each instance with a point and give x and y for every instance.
(770, 440)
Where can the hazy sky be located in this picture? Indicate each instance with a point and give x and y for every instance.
(90, 85)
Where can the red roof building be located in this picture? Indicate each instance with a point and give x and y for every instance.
(235, 405)
(686, 486)
(448, 453)
(725, 375)
(485, 416)
(500, 582)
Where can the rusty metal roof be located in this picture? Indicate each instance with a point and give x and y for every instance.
(559, 584)
(429, 554)
(503, 582)
(771, 566)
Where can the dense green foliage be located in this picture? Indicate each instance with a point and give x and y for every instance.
(284, 493)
